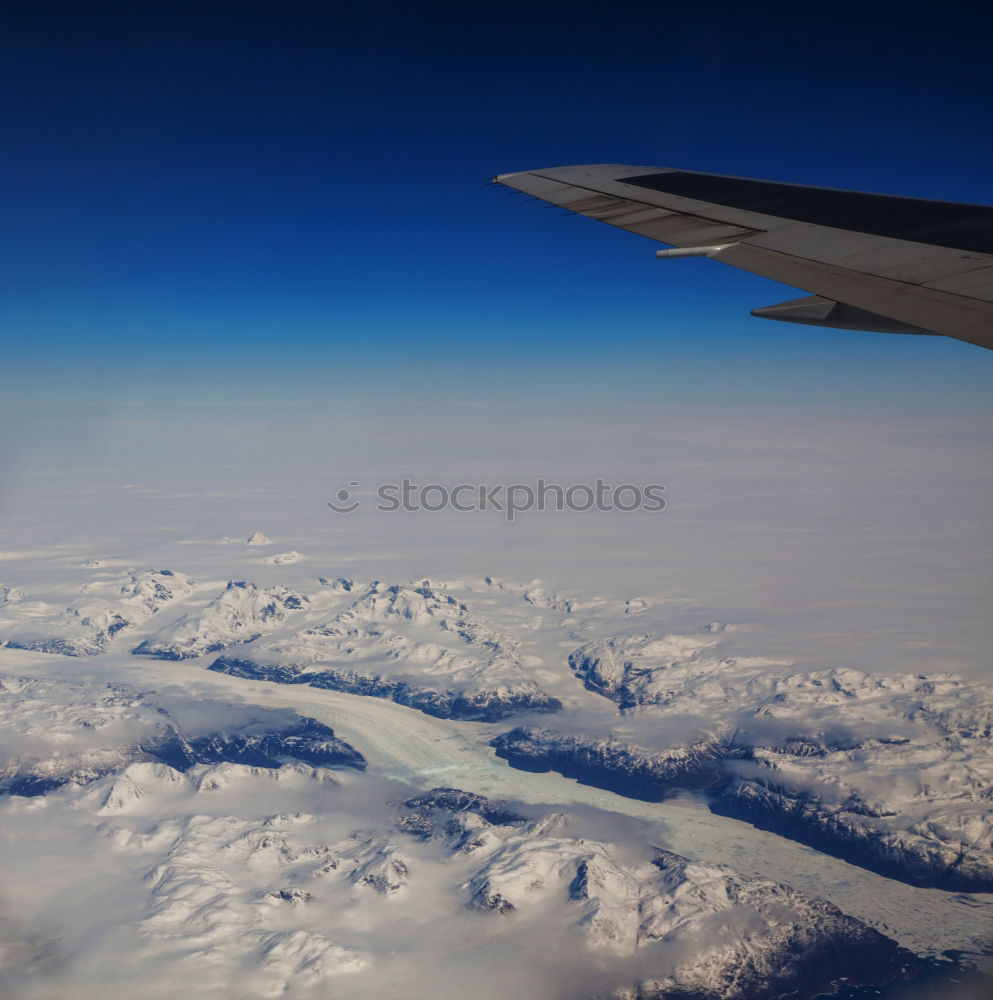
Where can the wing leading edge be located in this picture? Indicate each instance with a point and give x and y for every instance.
(872, 262)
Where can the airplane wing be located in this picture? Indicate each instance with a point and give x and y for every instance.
(873, 262)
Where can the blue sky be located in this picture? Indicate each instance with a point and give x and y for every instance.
(238, 200)
(251, 248)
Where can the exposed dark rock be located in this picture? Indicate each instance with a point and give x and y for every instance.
(476, 706)
(845, 832)
(803, 818)
(292, 896)
(310, 741)
(30, 784)
(456, 800)
(638, 774)
(808, 962)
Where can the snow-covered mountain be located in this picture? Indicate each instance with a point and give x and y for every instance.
(237, 843)
(105, 608)
(350, 893)
(645, 669)
(770, 940)
(652, 775)
(241, 613)
(59, 732)
(890, 772)
(418, 646)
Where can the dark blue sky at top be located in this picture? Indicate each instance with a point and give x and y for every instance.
(223, 197)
